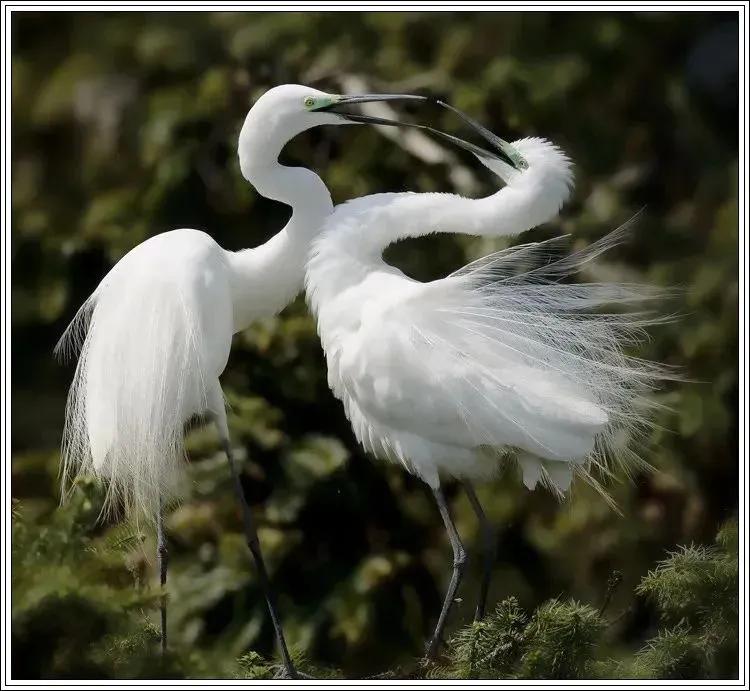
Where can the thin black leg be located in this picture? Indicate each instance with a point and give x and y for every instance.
(459, 565)
(251, 536)
(162, 557)
(489, 546)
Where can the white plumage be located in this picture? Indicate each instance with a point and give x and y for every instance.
(442, 376)
(156, 333)
(439, 376)
(156, 337)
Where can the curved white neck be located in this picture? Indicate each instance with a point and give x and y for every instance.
(528, 199)
(348, 252)
(265, 279)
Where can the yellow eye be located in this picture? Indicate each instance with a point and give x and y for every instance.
(309, 102)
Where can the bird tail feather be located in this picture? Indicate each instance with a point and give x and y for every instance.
(560, 350)
(139, 376)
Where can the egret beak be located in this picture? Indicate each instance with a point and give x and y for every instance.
(371, 98)
(501, 150)
(499, 144)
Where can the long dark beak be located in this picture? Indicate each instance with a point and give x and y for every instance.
(498, 144)
(371, 98)
(501, 150)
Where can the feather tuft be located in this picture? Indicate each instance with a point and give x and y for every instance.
(143, 370)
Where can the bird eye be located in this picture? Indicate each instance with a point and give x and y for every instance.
(309, 102)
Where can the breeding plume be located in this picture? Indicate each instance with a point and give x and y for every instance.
(155, 335)
(445, 377)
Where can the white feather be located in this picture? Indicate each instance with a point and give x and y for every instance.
(155, 335)
(499, 354)
(149, 360)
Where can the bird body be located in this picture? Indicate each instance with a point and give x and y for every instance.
(158, 331)
(442, 376)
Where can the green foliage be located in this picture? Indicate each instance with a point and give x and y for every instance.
(672, 654)
(490, 648)
(252, 666)
(125, 125)
(92, 617)
(76, 603)
(695, 591)
(556, 642)
(561, 637)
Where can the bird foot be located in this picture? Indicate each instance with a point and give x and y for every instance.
(290, 673)
(425, 663)
(432, 648)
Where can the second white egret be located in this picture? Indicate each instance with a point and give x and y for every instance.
(444, 376)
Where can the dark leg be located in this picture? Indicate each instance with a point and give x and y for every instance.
(251, 536)
(488, 548)
(162, 557)
(459, 564)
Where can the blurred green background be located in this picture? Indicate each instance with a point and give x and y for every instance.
(125, 125)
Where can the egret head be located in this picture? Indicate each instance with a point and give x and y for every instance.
(285, 111)
(291, 108)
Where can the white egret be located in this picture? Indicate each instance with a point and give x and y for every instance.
(442, 376)
(155, 335)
